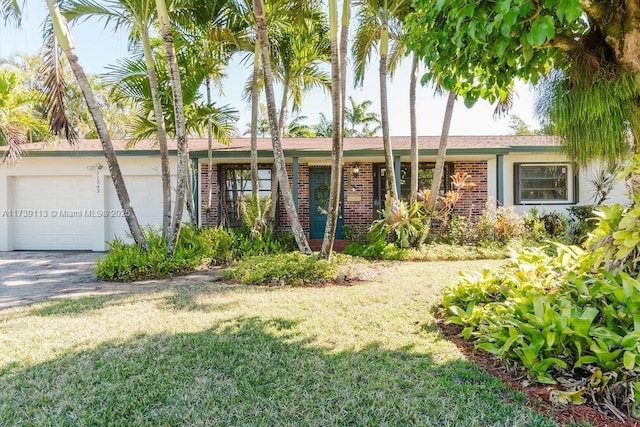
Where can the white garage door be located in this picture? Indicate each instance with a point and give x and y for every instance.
(50, 212)
(145, 193)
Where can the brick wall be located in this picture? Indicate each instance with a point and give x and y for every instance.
(358, 197)
(473, 201)
(303, 198)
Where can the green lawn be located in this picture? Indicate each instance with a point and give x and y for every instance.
(218, 354)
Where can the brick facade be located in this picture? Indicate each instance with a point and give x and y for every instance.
(473, 201)
(358, 210)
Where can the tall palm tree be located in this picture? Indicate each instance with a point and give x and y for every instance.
(278, 153)
(300, 51)
(63, 35)
(442, 152)
(137, 16)
(337, 104)
(379, 26)
(181, 137)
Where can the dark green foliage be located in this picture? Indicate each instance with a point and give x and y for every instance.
(127, 262)
(292, 269)
(581, 222)
(262, 243)
(557, 319)
(556, 224)
(573, 317)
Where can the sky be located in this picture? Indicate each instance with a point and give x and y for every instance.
(98, 47)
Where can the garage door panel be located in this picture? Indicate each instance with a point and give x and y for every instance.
(50, 212)
(145, 193)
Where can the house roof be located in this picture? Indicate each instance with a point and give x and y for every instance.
(473, 143)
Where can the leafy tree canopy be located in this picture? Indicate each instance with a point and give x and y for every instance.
(478, 49)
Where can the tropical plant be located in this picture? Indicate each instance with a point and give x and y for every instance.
(338, 76)
(591, 97)
(20, 120)
(324, 127)
(401, 222)
(137, 16)
(377, 26)
(359, 121)
(278, 153)
(63, 36)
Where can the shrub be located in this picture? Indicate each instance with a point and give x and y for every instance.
(501, 224)
(128, 262)
(401, 222)
(262, 243)
(292, 269)
(556, 225)
(557, 319)
(582, 221)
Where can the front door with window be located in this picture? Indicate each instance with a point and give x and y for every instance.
(319, 184)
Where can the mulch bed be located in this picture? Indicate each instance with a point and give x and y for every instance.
(537, 396)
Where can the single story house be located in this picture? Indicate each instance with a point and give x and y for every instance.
(60, 197)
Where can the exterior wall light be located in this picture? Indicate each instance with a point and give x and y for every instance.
(355, 171)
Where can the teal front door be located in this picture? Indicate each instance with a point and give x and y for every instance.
(319, 180)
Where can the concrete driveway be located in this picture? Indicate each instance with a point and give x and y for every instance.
(27, 277)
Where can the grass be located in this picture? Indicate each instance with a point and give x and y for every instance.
(219, 354)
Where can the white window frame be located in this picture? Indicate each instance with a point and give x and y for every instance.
(571, 183)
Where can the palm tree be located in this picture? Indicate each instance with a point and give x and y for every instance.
(442, 152)
(324, 128)
(137, 16)
(20, 120)
(278, 153)
(181, 137)
(337, 104)
(377, 26)
(358, 119)
(300, 50)
(296, 129)
(10, 11)
(62, 34)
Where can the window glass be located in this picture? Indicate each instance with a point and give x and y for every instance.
(238, 184)
(542, 183)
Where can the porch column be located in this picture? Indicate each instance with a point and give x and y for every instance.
(500, 179)
(295, 181)
(195, 188)
(396, 167)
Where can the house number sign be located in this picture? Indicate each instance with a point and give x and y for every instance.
(98, 169)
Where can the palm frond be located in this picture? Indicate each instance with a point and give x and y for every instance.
(55, 92)
(10, 10)
(14, 138)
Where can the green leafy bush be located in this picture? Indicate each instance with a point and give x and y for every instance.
(261, 243)
(128, 262)
(581, 222)
(292, 269)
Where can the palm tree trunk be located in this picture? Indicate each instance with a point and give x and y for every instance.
(278, 153)
(162, 133)
(63, 35)
(442, 152)
(384, 111)
(255, 100)
(181, 139)
(274, 183)
(209, 151)
(338, 86)
(415, 167)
